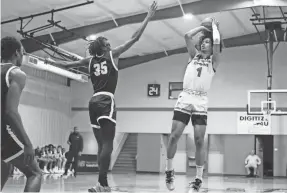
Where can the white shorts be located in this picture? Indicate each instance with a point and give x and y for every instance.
(251, 165)
(192, 103)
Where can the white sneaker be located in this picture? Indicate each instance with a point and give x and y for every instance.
(169, 180)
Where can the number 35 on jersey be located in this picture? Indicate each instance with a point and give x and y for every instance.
(100, 68)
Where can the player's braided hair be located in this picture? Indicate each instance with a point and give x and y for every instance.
(96, 46)
(9, 46)
(210, 36)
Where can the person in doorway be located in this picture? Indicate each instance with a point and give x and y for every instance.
(251, 163)
(76, 147)
(103, 67)
(16, 146)
(192, 101)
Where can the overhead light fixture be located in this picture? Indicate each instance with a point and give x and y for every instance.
(187, 16)
(184, 15)
(92, 37)
(37, 62)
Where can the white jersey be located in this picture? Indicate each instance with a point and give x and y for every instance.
(253, 160)
(198, 74)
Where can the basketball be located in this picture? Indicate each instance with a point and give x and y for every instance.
(207, 22)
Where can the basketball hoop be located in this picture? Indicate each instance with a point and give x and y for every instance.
(267, 113)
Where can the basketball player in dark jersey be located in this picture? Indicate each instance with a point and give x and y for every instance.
(16, 147)
(103, 68)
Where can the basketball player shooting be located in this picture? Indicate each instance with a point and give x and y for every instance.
(16, 147)
(103, 68)
(192, 101)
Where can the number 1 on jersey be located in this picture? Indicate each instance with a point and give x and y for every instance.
(199, 71)
(100, 68)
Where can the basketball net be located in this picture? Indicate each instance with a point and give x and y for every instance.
(267, 113)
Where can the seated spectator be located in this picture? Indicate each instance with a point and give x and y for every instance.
(37, 152)
(63, 159)
(57, 159)
(52, 156)
(38, 155)
(251, 163)
(49, 157)
(43, 161)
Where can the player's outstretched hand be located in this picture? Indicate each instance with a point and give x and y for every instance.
(152, 10)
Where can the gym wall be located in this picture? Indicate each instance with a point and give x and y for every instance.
(45, 108)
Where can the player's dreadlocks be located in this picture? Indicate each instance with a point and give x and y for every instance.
(96, 46)
(9, 46)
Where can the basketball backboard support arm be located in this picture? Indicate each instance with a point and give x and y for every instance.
(271, 29)
(46, 12)
(58, 53)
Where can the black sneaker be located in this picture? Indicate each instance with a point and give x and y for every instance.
(196, 184)
(169, 179)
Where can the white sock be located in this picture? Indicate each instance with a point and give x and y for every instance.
(199, 172)
(169, 166)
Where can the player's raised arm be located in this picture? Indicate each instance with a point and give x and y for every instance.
(63, 64)
(136, 36)
(190, 41)
(216, 44)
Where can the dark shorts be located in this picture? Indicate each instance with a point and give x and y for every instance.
(11, 147)
(194, 118)
(102, 106)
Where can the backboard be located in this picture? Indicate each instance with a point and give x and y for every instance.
(260, 104)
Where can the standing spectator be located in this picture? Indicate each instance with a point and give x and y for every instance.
(76, 147)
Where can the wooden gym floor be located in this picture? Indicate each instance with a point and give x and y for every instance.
(150, 183)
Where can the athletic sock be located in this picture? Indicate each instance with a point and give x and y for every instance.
(169, 166)
(199, 172)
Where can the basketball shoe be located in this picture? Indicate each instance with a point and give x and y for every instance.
(195, 185)
(169, 179)
(99, 188)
